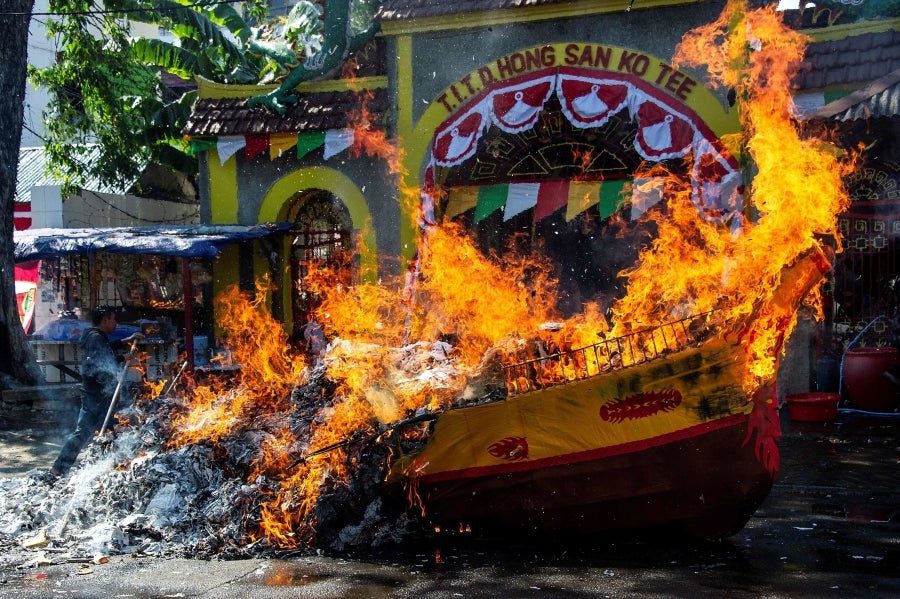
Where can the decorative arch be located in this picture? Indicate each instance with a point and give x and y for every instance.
(676, 115)
(672, 117)
(278, 202)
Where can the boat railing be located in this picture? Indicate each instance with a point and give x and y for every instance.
(638, 347)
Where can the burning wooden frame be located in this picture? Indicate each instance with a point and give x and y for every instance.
(558, 366)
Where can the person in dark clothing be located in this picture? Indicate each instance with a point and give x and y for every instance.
(99, 377)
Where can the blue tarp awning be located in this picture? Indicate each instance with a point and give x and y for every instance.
(187, 241)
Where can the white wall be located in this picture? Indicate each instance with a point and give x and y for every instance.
(91, 209)
(46, 207)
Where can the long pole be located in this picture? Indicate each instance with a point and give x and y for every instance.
(188, 295)
(116, 393)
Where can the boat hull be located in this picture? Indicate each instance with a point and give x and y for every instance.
(708, 483)
(674, 442)
(639, 433)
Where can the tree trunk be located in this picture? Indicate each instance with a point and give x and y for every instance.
(16, 358)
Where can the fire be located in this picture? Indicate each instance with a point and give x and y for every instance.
(269, 372)
(476, 299)
(368, 137)
(469, 309)
(695, 266)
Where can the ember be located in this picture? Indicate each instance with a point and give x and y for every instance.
(291, 453)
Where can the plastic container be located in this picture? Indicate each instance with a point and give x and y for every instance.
(814, 406)
(865, 384)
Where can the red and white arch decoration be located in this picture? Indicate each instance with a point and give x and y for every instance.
(666, 129)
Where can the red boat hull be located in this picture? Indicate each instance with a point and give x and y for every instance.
(709, 483)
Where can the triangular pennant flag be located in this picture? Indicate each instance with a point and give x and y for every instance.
(459, 200)
(280, 143)
(490, 198)
(307, 142)
(582, 195)
(337, 140)
(552, 196)
(611, 197)
(201, 145)
(645, 193)
(519, 198)
(228, 145)
(255, 145)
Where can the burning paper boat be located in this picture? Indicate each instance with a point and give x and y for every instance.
(650, 429)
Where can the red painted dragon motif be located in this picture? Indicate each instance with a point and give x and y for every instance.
(640, 405)
(764, 428)
(510, 448)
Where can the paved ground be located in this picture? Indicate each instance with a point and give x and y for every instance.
(830, 528)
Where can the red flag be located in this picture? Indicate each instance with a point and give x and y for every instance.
(22, 216)
(256, 145)
(552, 196)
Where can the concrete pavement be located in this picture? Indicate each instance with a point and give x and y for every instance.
(830, 528)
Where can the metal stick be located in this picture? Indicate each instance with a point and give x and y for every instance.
(425, 417)
(174, 380)
(115, 397)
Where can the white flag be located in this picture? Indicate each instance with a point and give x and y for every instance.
(228, 145)
(336, 141)
(521, 197)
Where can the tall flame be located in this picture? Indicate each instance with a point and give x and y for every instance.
(263, 384)
(695, 266)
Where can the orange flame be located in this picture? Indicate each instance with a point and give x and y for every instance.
(694, 266)
(269, 372)
(259, 397)
(368, 136)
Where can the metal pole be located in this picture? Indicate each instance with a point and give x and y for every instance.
(188, 296)
(116, 393)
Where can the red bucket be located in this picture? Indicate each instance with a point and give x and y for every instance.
(864, 382)
(813, 406)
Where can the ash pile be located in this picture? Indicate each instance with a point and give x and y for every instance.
(131, 492)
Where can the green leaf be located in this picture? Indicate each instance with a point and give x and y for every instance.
(174, 115)
(224, 15)
(184, 22)
(164, 55)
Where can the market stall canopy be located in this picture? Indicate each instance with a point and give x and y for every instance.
(187, 241)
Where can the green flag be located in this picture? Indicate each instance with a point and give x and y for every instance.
(307, 142)
(611, 197)
(490, 199)
(201, 145)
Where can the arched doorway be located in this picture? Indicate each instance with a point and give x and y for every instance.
(322, 238)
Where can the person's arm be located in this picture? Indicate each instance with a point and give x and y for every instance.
(126, 343)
